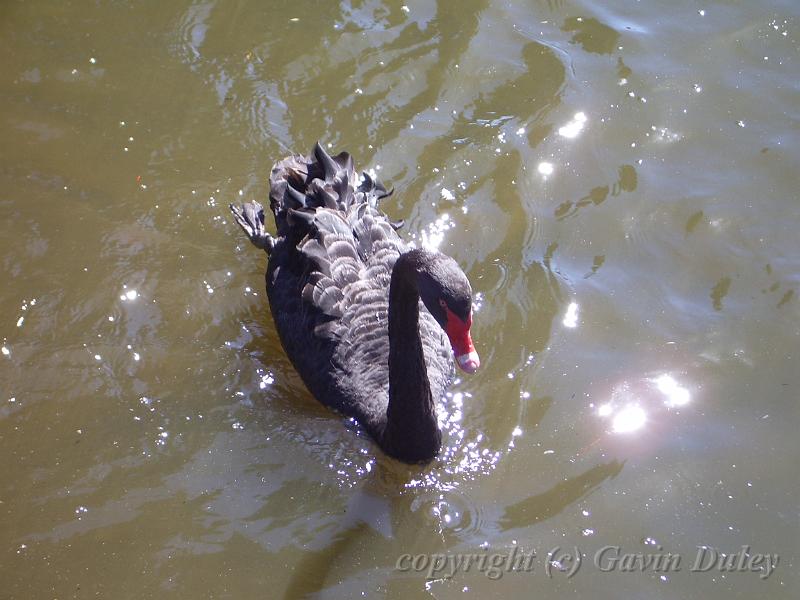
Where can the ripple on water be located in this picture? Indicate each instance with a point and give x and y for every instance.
(190, 32)
(344, 449)
(265, 113)
(452, 509)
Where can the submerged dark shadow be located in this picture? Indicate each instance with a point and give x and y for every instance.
(550, 503)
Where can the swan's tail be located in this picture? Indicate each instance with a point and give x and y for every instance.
(250, 217)
(299, 185)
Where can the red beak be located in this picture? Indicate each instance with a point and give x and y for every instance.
(461, 342)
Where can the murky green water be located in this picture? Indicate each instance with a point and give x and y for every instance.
(618, 180)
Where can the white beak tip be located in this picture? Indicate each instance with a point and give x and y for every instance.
(469, 362)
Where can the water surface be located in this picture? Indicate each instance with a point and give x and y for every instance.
(617, 179)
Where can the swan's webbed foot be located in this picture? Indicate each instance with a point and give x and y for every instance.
(250, 217)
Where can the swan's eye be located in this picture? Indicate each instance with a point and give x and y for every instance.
(442, 303)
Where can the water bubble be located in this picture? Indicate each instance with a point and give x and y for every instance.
(648, 541)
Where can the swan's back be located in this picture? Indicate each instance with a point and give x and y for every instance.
(328, 285)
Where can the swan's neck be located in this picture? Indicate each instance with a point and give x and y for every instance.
(412, 432)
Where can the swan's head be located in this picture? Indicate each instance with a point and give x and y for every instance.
(446, 293)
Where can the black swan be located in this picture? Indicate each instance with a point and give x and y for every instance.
(345, 290)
